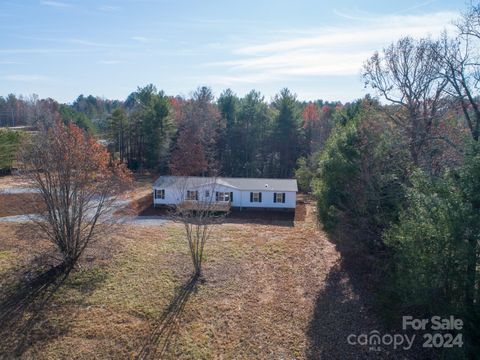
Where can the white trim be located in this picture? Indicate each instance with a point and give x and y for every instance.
(256, 197)
(279, 197)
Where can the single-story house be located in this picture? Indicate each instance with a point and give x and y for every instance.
(237, 192)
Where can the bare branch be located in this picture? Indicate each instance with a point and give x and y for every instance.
(407, 75)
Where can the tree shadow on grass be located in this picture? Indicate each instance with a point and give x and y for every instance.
(22, 306)
(29, 310)
(348, 304)
(339, 312)
(344, 305)
(165, 328)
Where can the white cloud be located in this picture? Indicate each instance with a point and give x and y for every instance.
(141, 39)
(109, 62)
(8, 62)
(56, 4)
(25, 77)
(109, 8)
(325, 51)
(41, 51)
(313, 62)
(92, 43)
(228, 80)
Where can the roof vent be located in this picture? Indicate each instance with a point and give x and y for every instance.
(266, 185)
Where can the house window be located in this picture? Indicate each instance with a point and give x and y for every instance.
(160, 194)
(207, 193)
(255, 197)
(223, 196)
(192, 195)
(279, 197)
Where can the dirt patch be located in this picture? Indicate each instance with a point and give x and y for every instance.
(20, 204)
(135, 206)
(142, 185)
(11, 181)
(143, 206)
(301, 210)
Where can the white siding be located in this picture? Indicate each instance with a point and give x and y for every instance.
(221, 188)
(267, 200)
(170, 197)
(174, 195)
(240, 198)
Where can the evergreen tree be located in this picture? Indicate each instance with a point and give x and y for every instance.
(228, 144)
(254, 131)
(118, 124)
(286, 134)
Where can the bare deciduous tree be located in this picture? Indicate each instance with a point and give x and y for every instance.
(77, 183)
(407, 74)
(188, 157)
(199, 212)
(460, 60)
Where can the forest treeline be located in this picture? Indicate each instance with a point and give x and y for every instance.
(200, 135)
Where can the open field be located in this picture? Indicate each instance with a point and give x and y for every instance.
(270, 291)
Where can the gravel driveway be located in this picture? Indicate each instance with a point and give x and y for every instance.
(130, 220)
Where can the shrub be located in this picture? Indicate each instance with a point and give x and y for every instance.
(435, 268)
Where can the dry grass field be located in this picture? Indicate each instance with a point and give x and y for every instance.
(271, 290)
(19, 204)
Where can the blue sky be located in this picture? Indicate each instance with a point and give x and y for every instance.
(63, 48)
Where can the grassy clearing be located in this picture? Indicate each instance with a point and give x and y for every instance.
(257, 301)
